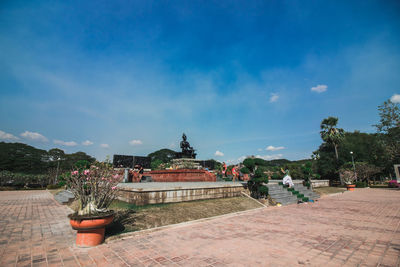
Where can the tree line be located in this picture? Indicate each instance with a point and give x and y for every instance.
(22, 163)
(368, 155)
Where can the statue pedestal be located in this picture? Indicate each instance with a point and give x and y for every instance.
(184, 170)
(184, 163)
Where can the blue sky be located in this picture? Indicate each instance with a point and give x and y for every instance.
(238, 77)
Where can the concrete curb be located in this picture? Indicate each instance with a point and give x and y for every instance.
(332, 195)
(177, 225)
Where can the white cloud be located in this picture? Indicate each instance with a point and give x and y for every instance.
(135, 142)
(104, 146)
(273, 98)
(259, 149)
(319, 88)
(63, 143)
(218, 153)
(172, 145)
(236, 161)
(395, 98)
(273, 148)
(87, 143)
(34, 136)
(7, 136)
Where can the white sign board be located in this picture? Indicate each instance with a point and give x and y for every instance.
(397, 171)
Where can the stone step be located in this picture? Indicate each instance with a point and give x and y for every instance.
(285, 197)
(64, 197)
(274, 186)
(306, 192)
(281, 195)
(280, 199)
(285, 202)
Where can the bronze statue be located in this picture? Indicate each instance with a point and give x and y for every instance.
(187, 150)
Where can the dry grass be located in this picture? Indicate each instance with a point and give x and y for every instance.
(133, 218)
(329, 190)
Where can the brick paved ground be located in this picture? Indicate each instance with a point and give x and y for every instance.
(358, 228)
(33, 229)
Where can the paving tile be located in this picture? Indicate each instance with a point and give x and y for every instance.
(351, 229)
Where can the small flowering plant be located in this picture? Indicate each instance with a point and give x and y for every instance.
(94, 187)
(393, 184)
(348, 176)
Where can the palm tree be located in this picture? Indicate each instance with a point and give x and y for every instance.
(330, 134)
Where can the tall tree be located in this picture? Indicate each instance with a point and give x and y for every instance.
(366, 147)
(56, 154)
(330, 134)
(389, 114)
(389, 130)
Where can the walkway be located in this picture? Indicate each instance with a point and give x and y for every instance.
(358, 228)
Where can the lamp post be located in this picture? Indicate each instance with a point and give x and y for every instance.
(354, 166)
(58, 165)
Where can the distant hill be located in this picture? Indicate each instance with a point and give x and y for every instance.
(301, 161)
(23, 158)
(164, 155)
(278, 162)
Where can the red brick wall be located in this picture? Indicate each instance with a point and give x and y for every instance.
(185, 175)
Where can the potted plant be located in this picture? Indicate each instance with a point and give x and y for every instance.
(393, 184)
(348, 178)
(257, 185)
(94, 187)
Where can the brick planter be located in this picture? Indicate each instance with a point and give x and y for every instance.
(183, 175)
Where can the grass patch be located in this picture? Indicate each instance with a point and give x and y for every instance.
(329, 190)
(55, 191)
(131, 218)
(20, 188)
(379, 186)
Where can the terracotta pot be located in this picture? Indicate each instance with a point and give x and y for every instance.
(350, 187)
(90, 229)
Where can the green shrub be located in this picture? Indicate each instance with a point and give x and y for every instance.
(257, 186)
(305, 199)
(290, 189)
(300, 196)
(307, 184)
(82, 164)
(263, 190)
(280, 183)
(155, 164)
(53, 186)
(361, 184)
(249, 163)
(245, 170)
(295, 192)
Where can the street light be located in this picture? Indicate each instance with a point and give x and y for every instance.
(354, 166)
(58, 165)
